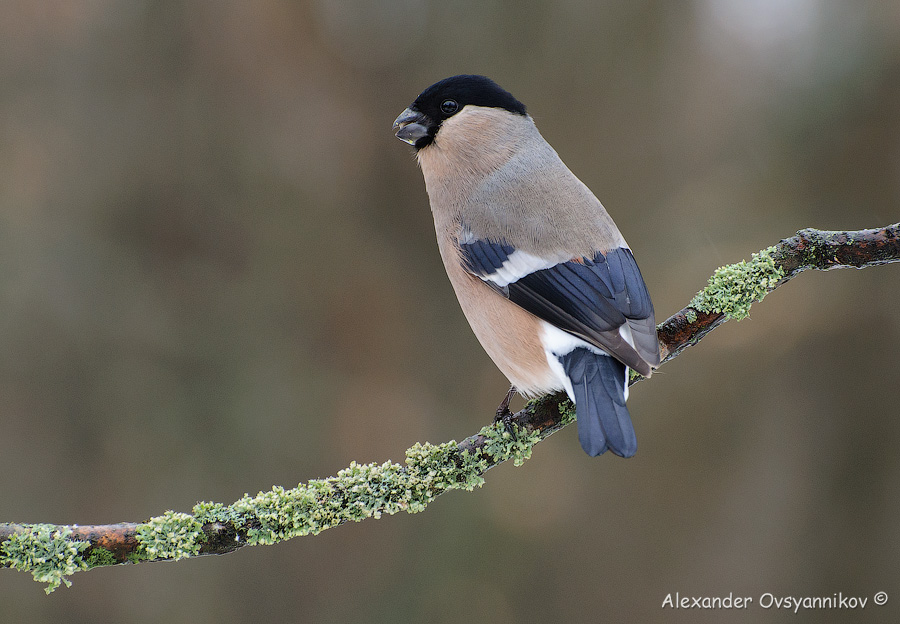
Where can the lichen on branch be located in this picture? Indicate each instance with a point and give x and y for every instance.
(733, 288)
(47, 551)
(360, 491)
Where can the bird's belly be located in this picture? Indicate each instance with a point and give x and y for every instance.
(510, 336)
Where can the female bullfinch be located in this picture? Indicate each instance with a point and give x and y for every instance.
(542, 273)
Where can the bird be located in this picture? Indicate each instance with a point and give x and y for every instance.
(547, 282)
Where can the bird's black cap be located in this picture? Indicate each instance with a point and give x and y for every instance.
(466, 89)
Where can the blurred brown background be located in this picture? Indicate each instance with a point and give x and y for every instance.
(218, 273)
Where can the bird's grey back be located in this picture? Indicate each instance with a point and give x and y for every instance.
(517, 189)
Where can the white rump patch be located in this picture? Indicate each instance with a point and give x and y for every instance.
(557, 342)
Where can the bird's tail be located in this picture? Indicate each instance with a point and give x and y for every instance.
(598, 391)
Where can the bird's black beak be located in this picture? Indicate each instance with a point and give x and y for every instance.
(411, 126)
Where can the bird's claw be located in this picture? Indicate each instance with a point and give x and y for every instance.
(504, 415)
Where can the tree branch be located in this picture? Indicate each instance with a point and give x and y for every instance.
(51, 552)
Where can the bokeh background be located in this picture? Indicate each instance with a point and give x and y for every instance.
(218, 273)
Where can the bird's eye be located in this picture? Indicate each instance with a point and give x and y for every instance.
(448, 107)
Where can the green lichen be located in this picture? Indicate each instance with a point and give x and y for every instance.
(691, 315)
(280, 514)
(567, 412)
(208, 513)
(502, 444)
(434, 469)
(173, 535)
(732, 289)
(100, 557)
(46, 551)
(357, 492)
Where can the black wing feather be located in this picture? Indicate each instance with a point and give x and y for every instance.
(589, 297)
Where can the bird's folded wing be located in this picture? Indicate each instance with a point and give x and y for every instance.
(602, 300)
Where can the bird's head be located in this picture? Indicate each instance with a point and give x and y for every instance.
(420, 124)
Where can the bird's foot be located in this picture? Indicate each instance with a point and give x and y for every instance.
(504, 415)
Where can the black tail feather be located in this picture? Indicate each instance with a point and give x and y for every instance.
(598, 385)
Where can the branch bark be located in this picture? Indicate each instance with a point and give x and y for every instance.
(51, 552)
